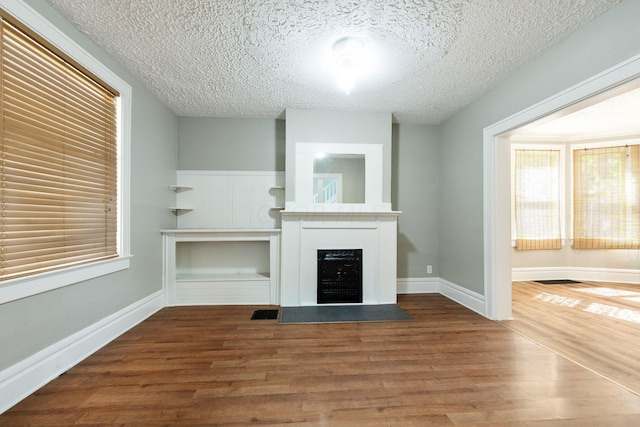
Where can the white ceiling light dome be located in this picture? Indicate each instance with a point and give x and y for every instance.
(349, 62)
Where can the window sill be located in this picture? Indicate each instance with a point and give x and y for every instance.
(565, 242)
(23, 287)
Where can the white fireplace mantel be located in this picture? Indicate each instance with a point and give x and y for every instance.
(304, 233)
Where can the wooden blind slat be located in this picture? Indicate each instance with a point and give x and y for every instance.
(71, 175)
(48, 118)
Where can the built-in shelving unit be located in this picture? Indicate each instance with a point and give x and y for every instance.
(225, 248)
(221, 266)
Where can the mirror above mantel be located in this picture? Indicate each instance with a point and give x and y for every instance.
(338, 178)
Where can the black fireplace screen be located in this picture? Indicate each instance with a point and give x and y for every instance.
(339, 276)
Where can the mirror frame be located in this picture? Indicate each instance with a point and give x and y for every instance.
(304, 161)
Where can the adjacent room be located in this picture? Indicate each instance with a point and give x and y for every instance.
(574, 182)
(319, 213)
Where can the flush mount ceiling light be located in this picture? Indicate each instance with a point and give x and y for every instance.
(349, 62)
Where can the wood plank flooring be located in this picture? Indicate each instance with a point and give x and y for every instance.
(594, 324)
(213, 366)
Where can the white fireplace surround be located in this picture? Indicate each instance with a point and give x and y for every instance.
(307, 232)
(363, 220)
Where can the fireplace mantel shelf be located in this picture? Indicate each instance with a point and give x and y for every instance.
(292, 213)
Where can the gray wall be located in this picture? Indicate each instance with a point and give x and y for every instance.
(415, 190)
(207, 143)
(605, 42)
(244, 144)
(41, 320)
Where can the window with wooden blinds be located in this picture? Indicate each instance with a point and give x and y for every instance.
(59, 161)
(606, 198)
(537, 199)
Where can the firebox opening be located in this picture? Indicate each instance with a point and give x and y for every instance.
(339, 276)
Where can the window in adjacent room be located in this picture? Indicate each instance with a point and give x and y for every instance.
(537, 194)
(606, 197)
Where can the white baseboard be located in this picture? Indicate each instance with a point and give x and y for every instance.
(470, 299)
(418, 285)
(27, 376)
(436, 285)
(577, 273)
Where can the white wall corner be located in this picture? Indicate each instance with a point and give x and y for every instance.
(25, 377)
(418, 285)
(437, 285)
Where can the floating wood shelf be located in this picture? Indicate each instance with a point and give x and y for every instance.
(177, 188)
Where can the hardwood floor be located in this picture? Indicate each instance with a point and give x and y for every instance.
(594, 324)
(211, 365)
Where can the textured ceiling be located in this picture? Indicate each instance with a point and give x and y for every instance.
(255, 58)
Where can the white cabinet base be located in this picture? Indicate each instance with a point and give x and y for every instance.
(224, 287)
(239, 292)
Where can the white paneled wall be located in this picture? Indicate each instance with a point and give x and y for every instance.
(230, 199)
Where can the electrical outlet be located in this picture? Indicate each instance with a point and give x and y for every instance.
(429, 269)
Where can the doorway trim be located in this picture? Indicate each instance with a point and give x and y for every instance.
(497, 186)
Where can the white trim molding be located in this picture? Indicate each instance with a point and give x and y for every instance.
(589, 274)
(436, 285)
(23, 287)
(27, 376)
(463, 296)
(418, 285)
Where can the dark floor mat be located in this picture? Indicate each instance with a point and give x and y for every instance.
(264, 314)
(556, 282)
(344, 313)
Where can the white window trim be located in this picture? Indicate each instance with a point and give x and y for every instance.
(26, 286)
(562, 183)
